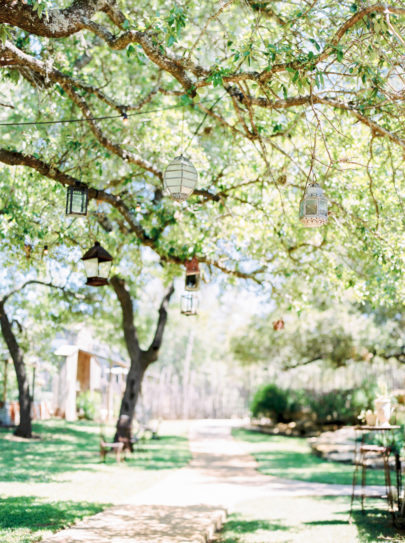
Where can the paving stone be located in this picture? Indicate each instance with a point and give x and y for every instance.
(146, 524)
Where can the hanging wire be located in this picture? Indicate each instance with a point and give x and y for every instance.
(182, 132)
(203, 120)
(83, 120)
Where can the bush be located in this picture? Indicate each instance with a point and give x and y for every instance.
(337, 406)
(88, 404)
(278, 403)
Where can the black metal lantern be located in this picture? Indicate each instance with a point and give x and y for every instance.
(189, 304)
(77, 199)
(97, 263)
(192, 274)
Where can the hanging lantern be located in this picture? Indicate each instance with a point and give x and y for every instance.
(97, 263)
(278, 325)
(189, 304)
(314, 206)
(192, 274)
(180, 178)
(77, 198)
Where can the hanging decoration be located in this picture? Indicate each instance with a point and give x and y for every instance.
(314, 206)
(97, 263)
(27, 250)
(192, 274)
(77, 199)
(278, 325)
(189, 304)
(125, 119)
(180, 178)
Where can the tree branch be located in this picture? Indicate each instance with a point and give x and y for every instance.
(130, 334)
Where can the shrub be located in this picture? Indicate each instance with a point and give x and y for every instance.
(278, 403)
(337, 406)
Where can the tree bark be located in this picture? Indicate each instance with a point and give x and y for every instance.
(139, 359)
(24, 428)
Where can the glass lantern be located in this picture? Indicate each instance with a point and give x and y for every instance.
(192, 275)
(180, 178)
(314, 207)
(189, 304)
(97, 263)
(77, 199)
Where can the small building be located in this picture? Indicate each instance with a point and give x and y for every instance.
(84, 370)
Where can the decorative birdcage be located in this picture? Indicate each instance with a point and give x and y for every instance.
(77, 199)
(189, 303)
(192, 274)
(314, 206)
(97, 263)
(180, 178)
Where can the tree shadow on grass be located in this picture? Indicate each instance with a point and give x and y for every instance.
(61, 448)
(168, 452)
(375, 524)
(250, 526)
(326, 522)
(64, 447)
(236, 526)
(32, 513)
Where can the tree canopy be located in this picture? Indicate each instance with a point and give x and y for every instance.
(263, 97)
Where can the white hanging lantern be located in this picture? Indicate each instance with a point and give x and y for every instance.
(314, 206)
(180, 178)
(189, 304)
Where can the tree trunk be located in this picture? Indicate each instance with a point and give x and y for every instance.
(24, 429)
(139, 359)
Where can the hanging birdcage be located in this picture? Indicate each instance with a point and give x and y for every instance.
(180, 178)
(189, 303)
(192, 274)
(314, 206)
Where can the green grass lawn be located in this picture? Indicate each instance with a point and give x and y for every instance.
(25, 519)
(291, 458)
(308, 520)
(48, 483)
(302, 519)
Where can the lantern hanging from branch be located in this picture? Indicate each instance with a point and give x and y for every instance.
(189, 304)
(314, 206)
(180, 178)
(192, 274)
(97, 263)
(77, 199)
(278, 325)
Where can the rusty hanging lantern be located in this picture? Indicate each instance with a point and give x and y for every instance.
(192, 274)
(97, 263)
(314, 207)
(189, 304)
(278, 325)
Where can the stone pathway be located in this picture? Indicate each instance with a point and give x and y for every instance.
(188, 505)
(145, 524)
(223, 472)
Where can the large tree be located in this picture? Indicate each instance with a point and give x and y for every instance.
(289, 96)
